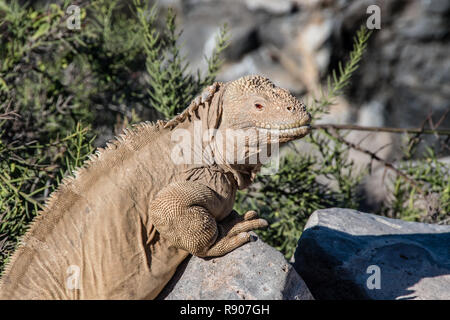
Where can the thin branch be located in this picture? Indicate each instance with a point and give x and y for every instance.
(386, 164)
(442, 118)
(444, 132)
(444, 222)
(383, 147)
(17, 192)
(10, 115)
(7, 114)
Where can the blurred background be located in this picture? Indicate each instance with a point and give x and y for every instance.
(403, 78)
(404, 75)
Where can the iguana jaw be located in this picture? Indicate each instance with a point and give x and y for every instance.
(285, 131)
(286, 134)
(281, 127)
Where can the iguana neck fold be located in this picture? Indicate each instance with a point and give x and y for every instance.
(208, 108)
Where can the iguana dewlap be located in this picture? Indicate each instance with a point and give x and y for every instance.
(122, 225)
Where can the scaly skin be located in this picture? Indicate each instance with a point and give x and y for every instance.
(132, 214)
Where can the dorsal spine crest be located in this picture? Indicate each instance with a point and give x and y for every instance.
(206, 96)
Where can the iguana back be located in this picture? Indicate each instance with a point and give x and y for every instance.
(94, 238)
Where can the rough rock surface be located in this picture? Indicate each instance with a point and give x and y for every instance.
(252, 272)
(338, 246)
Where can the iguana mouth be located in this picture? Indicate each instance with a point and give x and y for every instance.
(283, 130)
(298, 124)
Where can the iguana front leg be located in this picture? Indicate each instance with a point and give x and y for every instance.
(184, 213)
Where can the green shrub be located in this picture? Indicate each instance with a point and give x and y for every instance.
(428, 199)
(28, 174)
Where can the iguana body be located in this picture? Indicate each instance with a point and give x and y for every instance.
(131, 215)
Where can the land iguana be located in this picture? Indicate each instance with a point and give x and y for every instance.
(120, 227)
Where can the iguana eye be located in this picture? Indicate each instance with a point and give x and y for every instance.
(259, 106)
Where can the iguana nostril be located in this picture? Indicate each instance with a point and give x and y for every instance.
(289, 108)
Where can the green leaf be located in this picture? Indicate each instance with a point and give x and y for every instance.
(43, 29)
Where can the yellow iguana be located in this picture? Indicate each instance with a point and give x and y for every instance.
(135, 211)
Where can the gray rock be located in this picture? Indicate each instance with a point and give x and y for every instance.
(201, 25)
(281, 31)
(381, 143)
(244, 38)
(339, 245)
(437, 6)
(274, 7)
(425, 27)
(261, 62)
(254, 271)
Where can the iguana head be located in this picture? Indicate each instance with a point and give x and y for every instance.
(254, 102)
(241, 119)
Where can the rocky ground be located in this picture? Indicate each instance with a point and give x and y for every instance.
(342, 254)
(253, 272)
(346, 254)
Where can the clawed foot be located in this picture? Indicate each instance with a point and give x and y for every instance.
(236, 224)
(233, 232)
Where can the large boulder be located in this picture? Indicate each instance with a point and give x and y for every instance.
(346, 254)
(252, 272)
